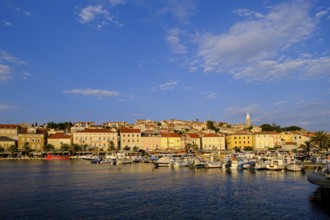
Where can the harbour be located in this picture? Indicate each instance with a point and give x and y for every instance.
(77, 189)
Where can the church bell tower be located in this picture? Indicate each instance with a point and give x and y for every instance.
(248, 120)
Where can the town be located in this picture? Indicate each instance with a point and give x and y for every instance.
(151, 136)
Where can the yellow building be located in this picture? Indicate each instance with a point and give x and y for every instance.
(100, 139)
(59, 139)
(239, 140)
(9, 130)
(213, 142)
(150, 142)
(130, 137)
(170, 141)
(6, 142)
(36, 140)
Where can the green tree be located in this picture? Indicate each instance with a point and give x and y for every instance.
(65, 147)
(76, 147)
(13, 148)
(49, 147)
(2, 149)
(111, 146)
(210, 125)
(320, 139)
(135, 148)
(26, 148)
(307, 145)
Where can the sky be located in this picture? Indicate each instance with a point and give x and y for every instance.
(124, 60)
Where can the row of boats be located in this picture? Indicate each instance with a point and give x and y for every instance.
(231, 162)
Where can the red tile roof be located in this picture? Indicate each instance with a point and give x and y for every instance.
(12, 126)
(170, 135)
(89, 130)
(59, 136)
(130, 130)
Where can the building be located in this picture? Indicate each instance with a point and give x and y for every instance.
(192, 139)
(239, 140)
(59, 139)
(130, 137)
(100, 139)
(263, 140)
(10, 130)
(34, 139)
(213, 142)
(6, 142)
(150, 141)
(170, 141)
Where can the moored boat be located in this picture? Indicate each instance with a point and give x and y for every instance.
(56, 157)
(320, 178)
(295, 167)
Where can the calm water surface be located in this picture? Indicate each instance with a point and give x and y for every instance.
(80, 190)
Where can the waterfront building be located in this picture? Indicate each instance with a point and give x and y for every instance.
(59, 139)
(10, 130)
(34, 139)
(150, 141)
(193, 139)
(171, 141)
(130, 137)
(213, 142)
(263, 140)
(239, 140)
(101, 139)
(6, 142)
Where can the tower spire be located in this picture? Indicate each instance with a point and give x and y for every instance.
(248, 120)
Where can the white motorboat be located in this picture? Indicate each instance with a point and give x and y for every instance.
(162, 162)
(295, 167)
(213, 164)
(276, 163)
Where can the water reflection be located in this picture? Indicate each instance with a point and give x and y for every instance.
(78, 189)
(320, 199)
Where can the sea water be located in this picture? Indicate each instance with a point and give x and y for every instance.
(77, 189)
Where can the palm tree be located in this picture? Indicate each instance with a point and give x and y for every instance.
(26, 148)
(320, 139)
(13, 148)
(307, 146)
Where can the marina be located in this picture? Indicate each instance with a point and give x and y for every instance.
(77, 189)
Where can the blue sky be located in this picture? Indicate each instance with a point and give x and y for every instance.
(122, 60)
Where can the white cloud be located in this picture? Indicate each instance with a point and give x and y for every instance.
(4, 107)
(254, 49)
(165, 86)
(8, 66)
(117, 2)
(89, 13)
(173, 39)
(92, 92)
(247, 13)
(96, 15)
(4, 73)
(7, 23)
(181, 10)
(211, 95)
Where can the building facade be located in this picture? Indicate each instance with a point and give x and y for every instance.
(213, 142)
(59, 139)
(130, 137)
(101, 139)
(239, 140)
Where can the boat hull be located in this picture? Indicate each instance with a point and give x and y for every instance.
(319, 179)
